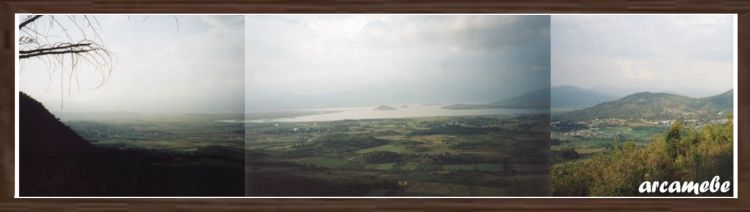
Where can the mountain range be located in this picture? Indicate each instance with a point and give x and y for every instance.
(657, 106)
(564, 97)
(533, 99)
(586, 104)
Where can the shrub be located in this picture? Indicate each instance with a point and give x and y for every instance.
(681, 154)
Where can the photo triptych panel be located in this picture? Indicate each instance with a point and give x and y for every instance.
(396, 105)
(138, 110)
(643, 101)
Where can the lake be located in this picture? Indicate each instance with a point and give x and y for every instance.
(399, 111)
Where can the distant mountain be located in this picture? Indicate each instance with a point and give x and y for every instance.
(619, 92)
(571, 97)
(657, 106)
(532, 99)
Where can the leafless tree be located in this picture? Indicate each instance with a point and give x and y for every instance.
(78, 44)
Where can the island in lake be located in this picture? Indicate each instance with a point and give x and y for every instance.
(384, 107)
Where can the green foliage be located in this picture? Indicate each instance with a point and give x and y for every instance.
(450, 130)
(673, 139)
(381, 157)
(564, 155)
(347, 142)
(681, 154)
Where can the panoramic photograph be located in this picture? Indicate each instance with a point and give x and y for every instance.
(131, 105)
(397, 105)
(641, 99)
(376, 105)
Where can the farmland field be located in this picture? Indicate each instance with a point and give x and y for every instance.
(177, 132)
(171, 154)
(493, 155)
(432, 156)
(588, 141)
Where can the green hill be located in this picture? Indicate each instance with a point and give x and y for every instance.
(657, 106)
(719, 103)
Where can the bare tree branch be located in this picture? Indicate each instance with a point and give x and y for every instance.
(49, 38)
(64, 46)
(61, 43)
(28, 21)
(57, 52)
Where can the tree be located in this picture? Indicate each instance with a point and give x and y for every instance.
(64, 54)
(673, 139)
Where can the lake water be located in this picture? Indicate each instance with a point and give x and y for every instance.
(400, 111)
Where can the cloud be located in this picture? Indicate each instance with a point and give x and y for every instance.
(194, 68)
(414, 57)
(644, 52)
(635, 70)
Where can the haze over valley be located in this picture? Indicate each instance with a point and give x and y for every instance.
(361, 105)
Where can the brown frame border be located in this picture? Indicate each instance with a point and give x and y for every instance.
(7, 97)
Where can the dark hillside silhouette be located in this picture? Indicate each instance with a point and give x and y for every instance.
(55, 161)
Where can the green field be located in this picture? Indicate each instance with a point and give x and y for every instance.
(444, 156)
(600, 139)
(182, 133)
(167, 154)
(322, 162)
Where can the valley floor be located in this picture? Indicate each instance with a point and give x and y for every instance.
(441, 156)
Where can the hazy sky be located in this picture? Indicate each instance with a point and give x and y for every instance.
(683, 54)
(193, 64)
(206, 64)
(305, 61)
